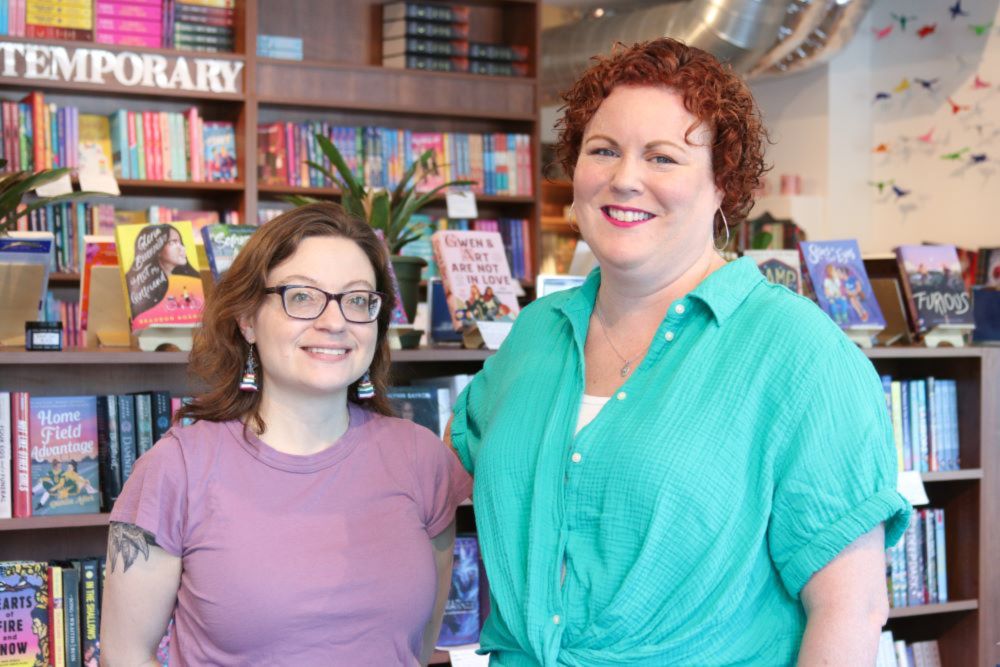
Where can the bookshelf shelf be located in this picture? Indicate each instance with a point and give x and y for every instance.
(137, 187)
(54, 522)
(314, 83)
(920, 352)
(281, 189)
(129, 357)
(934, 609)
(952, 475)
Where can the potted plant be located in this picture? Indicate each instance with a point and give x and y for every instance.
(15, 185)
(390, 212)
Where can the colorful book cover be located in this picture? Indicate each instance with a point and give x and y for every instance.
(476, 276)
(418, 404)
(24, 614)
(97, 251)
(421, 142)
(96, 167)
(934, 287)
(780, 267)
(222, 244)
(461, 613)
(90, 613)
(159, 268)
(220, 152)
(841, 285)
(63, 449)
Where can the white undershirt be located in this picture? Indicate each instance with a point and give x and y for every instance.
(589, 407)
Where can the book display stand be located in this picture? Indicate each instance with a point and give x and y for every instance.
(22, 287)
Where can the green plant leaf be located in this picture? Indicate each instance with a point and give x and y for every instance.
(403, 186)
(300, 200)
(326, 172)
(337, 160)
(380, 214)
(761, 241)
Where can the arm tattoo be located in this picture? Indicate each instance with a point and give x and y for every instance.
(128, 541)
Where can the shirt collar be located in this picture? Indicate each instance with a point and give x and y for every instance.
(726, 288)
(722, 291)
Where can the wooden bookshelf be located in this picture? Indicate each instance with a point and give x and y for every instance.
(339, 81)
(968, 626)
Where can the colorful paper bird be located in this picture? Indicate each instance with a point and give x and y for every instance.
(880, 185)
(882, 96)
(956, 10)
(981, 29)
(956, 107)
(926, 138)
(978, 83)
(882, 33)
(927, 30)
(978, 158)
(957, 155)
(902, 20)
(881, 148)
(900, 192)
(928, 84)
(901, 86)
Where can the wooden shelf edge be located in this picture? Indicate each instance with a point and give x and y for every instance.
(54, 522)
(105, 356)
(932, 609)
(952, 475)
(920, 352)
(273, 189)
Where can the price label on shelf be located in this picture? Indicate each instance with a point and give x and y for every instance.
(911, 486)
(462, 205)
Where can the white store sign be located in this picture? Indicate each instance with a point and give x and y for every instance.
(99, 66)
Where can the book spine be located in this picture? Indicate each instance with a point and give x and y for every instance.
(930, 554)
(921, 397)
(71, 606)
(914, 595)
(144, 423)
(57, 649)
(942, 559)
(6, 448)
(907, 426)
(22, 454)
(126, 434)
(954, 438)
(90, 612)
(108, 449)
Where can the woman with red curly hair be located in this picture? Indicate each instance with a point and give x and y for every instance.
(677, 463)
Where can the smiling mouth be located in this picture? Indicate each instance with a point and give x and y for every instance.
(331, 352)
(625, 217)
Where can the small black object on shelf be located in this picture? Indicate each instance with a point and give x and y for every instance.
(43, 336)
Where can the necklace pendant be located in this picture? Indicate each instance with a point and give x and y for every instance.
(626, 369)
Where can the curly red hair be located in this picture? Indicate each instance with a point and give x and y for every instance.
(712, 93)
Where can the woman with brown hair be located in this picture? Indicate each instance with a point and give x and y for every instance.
(677, 463)
(295, 522)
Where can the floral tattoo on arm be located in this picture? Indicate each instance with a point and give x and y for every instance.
(128, 541)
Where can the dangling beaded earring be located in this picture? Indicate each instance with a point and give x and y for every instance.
(366, 389)
(249, 381)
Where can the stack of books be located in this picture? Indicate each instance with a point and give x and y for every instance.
(201, 25)
(130, 22)
(436, 38)
(58, 19)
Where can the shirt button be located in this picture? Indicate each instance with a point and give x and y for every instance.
(679, 309)
(577, 457)
(556, 619)
(669, 336)
(621, 395)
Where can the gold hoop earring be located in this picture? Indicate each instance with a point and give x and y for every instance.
(571, 218)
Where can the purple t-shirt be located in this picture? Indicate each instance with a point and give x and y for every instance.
(298, 560)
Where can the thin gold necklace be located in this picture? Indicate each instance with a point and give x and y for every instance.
(627, 368)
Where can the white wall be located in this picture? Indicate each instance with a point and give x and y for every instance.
(827, 125)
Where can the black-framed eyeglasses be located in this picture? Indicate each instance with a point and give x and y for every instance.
(303, 302)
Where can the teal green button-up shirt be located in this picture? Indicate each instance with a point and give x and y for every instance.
(746, 451)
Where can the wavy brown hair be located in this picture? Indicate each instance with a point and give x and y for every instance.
(220, 351)
(712, 93)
